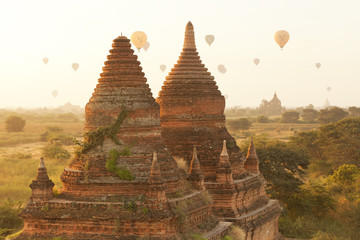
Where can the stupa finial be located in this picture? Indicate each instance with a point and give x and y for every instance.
(41, 164)
(189, 41)
(224, 150)
(194, 162)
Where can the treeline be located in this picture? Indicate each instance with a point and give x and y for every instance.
(304, 115)
(323, 116)
(316, 178)
(43, 117)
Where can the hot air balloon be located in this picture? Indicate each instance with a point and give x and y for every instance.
(146, 46)
(226, 96)
(328, 89)
(138, 39)
(162, 67)
(75, 66)
(317, 65)
(45, 60)
(209, 39)
(281, 38)
(54, 93)
(222, 68)
(256, 61)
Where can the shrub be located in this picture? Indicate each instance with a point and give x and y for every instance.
(239, 124)
(290, 117)
(14, 124)
(332, 115)
(55, 152)
(263, 119)
(54, 135)
(309, 115)
(10, 222)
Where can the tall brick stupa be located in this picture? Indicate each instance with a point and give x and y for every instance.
(123, 182)
(192, 114)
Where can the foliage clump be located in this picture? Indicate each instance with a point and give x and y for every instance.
(332, 145)
(55, 152)
(330, 115)
(55, 135)
(239, 124)
(120, 171)
(10, 222)
(15, 124)
(290, 117)
(96, 138)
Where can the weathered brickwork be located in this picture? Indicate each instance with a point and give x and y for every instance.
(122, 182)
(192, 114)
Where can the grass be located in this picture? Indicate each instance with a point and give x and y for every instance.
(18, 167)
(33, 130)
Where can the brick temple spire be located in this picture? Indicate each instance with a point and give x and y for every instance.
(196, 176)
(223, 169)
(42, 186)
(252, 161)
(192, 111)
(156, 198)
(189, 41)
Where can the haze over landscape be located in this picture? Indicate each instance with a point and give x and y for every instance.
(254, 134)
(81, 31)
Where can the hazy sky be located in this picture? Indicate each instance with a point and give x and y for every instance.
(325, 31)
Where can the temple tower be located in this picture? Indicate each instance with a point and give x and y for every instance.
(192, 113)
(252, 161)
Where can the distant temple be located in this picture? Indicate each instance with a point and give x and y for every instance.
(327, 103)
(272, 107)
(124, 182)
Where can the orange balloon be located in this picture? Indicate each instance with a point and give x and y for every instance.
(75, 66)
(281, 38)
(138, 38)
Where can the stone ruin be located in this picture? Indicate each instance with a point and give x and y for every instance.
(124, 182)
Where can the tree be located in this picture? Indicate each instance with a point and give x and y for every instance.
(10, 222)
(345, 175)
(333, 114)
(282, 165)
(354, 111)
(262, 119)
(239, 124)
(290, 117)
(332, 145)
(14, 124)
(309, 115)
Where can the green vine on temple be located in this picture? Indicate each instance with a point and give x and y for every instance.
(96, 137)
